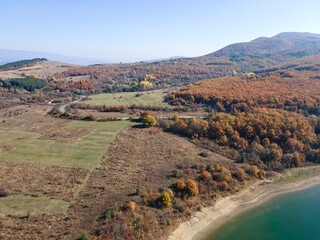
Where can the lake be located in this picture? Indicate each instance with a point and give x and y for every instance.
(291, 216)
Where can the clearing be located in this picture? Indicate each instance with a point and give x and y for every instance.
(155, 98)
(87, 152)
(42, 69)
(24, 205)
(45, 163)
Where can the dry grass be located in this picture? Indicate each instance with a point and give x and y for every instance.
(26, 205)
(41, 69)
(40, 179)
(137, 157)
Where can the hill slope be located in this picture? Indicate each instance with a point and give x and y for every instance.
(39, 67)
(235, 59)
(285, 43)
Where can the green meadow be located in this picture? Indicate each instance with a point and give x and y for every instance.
(155, 98)
(86, 152)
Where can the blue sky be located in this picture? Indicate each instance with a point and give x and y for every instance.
(126, 30)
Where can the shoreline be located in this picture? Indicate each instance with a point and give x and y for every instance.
(208, 219)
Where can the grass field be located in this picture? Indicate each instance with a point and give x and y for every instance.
(22, 205)
(87, 152)
(155, 98)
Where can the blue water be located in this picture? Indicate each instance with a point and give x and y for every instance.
(293, 216)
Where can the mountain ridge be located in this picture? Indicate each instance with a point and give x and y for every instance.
(280, 43)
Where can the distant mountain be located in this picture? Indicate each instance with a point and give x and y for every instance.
(164, 59)
(292, 44)
(7, 55)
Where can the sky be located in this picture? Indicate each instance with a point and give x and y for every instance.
(132, 30)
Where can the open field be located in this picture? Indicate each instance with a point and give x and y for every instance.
(45, 164)
(41, 69)
(23, 205)
(155, 98)
(86, 152)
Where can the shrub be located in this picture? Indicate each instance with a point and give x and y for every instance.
(192, 188)
(217, 177)
(85, 236)
(138, 191)
(164, 123)
(217, 167)
(239, 174)
(204, 154)
(261, 174)
(209, 168)
(3, 192)
(180, 185)
(131, 206)
(223, 186)
(176, 173)
(149, 121)
(205, 175)
(66, 114)
(225, 173)
(166, 200)
(91, 117)
(253, 171)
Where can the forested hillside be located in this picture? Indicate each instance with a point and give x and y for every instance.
(279, 48)
(269, 119)
(20, 64)
(232, 60)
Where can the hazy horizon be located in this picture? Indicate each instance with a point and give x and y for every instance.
(133, 31)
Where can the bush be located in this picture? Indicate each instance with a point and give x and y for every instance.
(223, 186)
(206, 176)
(261, 174)
(253, 171)
(66, 114)
(138, 191)
(192, 188)
(176, 173)
(239, 174)
(3, 192)
(180, 185)
(166, 200)
(209, 168)
(217, 167)
(85, 236)
(204, 154)
(91, 117)
(149, 121)
(164, 123)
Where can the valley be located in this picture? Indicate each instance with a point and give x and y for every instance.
(135, 150)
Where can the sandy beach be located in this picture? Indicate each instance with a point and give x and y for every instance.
(208, 219)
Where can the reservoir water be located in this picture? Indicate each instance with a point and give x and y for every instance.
(292, 216)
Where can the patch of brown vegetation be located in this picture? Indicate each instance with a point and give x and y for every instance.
(36, 119)
(134, 113)
(5, 149)
(137, 157)
(42, 69)
(29, 178)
